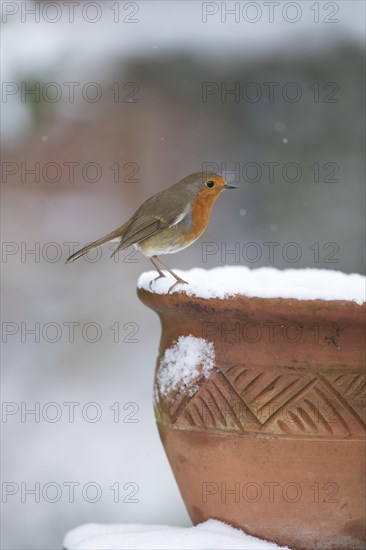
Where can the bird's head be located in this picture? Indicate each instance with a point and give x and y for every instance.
(206, 185)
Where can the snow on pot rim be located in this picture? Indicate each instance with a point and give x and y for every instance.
(264, 282)
(210, 534)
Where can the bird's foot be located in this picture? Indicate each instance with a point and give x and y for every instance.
(160, 276)
(179, 281)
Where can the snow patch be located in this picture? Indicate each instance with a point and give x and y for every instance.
(210, 534)
(189, 359)
(265, 282)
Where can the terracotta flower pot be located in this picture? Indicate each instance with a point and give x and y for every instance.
(267, 432)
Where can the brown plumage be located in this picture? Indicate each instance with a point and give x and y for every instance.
(168, 221)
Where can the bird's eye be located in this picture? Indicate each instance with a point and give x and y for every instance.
(210, 183)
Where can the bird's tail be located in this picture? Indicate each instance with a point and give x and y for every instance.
(110, 237)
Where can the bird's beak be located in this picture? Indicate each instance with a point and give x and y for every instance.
(229, 186)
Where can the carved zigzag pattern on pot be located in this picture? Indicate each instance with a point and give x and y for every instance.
(353, 387)
(239, 399)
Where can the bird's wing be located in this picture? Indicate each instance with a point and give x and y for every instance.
(156, 214)
(140, 229)
(144, 226)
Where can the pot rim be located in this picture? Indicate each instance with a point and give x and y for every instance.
(167, 301)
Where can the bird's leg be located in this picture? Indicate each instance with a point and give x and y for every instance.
(161, 274)
(179, 280)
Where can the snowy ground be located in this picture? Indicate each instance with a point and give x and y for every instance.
(211, 534)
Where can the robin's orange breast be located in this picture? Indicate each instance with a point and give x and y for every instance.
(201, 212)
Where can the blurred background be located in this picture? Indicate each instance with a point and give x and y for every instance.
(104, 104)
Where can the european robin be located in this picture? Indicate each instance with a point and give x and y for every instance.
(168, 221)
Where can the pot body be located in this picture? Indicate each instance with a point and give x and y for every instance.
(273, 441)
